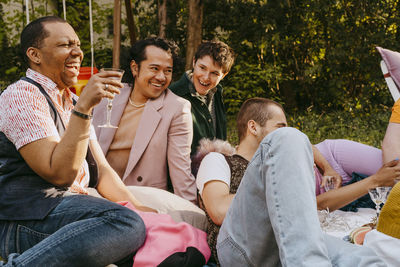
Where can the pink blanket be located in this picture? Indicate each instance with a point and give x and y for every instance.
(164, 237)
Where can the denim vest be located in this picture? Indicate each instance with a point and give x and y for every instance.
(24, 195)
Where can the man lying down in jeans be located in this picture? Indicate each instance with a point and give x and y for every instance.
(273, 221)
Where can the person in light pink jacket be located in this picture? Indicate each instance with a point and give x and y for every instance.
(155, 130)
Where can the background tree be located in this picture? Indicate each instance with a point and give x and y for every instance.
(308, 54)
(162, 18)
(130, 22)
(194, 30)
(316, 57)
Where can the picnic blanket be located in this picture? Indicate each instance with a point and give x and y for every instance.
(340, 223)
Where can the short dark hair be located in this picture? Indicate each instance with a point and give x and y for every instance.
(138, 53)
(34, 33)
(256, 109)
(219, 51)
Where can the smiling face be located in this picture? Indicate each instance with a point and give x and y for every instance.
(206, 74)
(153, 75)
(59, 56)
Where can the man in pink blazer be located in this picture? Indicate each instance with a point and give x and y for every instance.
(154, 131)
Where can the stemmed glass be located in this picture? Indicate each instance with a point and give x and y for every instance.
(110, 101)
(378, 196)
(330, 183)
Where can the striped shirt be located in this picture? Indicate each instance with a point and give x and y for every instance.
(25, 116)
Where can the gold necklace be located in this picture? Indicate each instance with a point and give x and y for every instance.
(135, 105)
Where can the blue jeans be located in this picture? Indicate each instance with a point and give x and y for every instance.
(81, 231)
(273, 218)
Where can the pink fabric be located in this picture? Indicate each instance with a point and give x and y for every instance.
(392, 60)
(318, 180)
(164, 237)
(347, 156)
(162, 142)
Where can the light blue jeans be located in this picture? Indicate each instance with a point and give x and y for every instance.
(80, 231)
(273, 219)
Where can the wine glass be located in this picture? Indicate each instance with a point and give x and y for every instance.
(330, 183)
(378, 196)
(110, 101)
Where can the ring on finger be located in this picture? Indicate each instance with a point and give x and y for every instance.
(106, 87)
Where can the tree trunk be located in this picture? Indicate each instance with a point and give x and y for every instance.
(51, 7)
(194, 30)
(130, 21)
(289, 94)
(117, 33)
(32, 11)
(162, 18)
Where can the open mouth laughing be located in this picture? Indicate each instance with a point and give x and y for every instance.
(73, 67)
(158, 85)
(204, 84)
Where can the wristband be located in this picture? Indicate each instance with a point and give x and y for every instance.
(81, 115)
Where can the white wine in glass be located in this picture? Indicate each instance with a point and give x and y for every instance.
(378, 196)
(110, 101)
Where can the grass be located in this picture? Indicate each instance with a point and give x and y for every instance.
(368, 127)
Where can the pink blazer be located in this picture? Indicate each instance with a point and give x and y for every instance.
(162, 142)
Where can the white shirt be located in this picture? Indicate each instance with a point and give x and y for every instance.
(213, 167)
(385, 246)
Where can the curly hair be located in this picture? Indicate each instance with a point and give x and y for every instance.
(219, 51)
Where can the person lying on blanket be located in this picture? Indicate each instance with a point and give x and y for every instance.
(385, 239)
(219, 175)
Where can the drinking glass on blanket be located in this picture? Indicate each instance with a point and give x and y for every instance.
(378, 196)
(330, 183)
(110, 101)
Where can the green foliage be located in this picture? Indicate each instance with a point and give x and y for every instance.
(11, 25)
(9, 53)
(306, 53)
(146, 16)
(248, 80)
(367, 129)
(361, 127)
(316, 57)
(232, 134)
(317, 54)
(78, 17)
